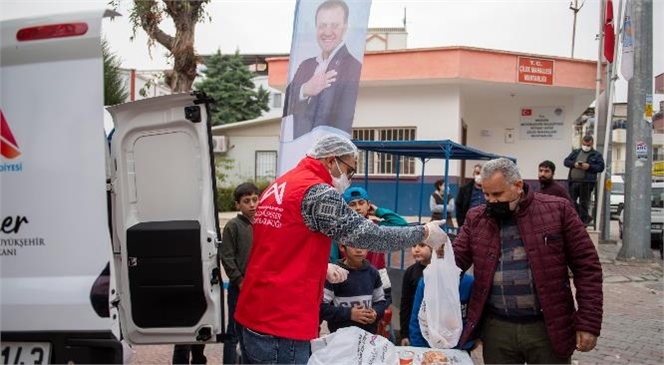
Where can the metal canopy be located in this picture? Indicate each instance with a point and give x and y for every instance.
(424, 149)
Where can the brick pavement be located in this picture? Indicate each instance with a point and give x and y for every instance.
(632, 329)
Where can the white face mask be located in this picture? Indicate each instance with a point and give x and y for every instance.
(585, 148)
(478, 179)
(340, 183)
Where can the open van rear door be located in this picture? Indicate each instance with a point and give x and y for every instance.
(165, 223)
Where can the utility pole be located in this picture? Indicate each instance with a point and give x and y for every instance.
(638, 165)
(575, 8)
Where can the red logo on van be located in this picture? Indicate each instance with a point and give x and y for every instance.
(8, 145)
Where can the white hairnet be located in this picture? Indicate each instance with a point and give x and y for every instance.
(332, 145)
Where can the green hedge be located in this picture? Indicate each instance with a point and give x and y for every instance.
(225, 201)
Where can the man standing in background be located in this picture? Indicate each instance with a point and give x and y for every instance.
(545, 173)
(584, 164)
(469, 196)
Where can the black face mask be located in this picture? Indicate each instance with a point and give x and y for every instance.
(499, 210)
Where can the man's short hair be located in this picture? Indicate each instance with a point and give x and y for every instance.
(243, 190)
(329, 4)
(587, 138)
(503, 165)
(549, 165)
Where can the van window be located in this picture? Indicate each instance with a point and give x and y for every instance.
(658, 197)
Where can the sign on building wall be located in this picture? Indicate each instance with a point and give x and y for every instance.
(535, 71)
(541, 123)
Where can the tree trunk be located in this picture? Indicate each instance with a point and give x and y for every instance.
(184, 55)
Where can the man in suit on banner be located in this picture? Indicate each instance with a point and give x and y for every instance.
(324, 89)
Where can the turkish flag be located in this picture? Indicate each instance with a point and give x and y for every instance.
(526, 112)
(609, 33)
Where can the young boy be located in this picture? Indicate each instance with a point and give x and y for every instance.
(235, 248)
(358, 199)
(422, 255)
(358, 301)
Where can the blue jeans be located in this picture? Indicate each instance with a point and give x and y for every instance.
(230, 355)
(258, 348)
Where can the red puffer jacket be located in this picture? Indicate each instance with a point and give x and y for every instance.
(554, 238)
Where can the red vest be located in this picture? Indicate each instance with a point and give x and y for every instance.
(283, 286)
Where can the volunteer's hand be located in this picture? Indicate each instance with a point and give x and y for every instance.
(436, 236)
(405, 342)
(585, 341)
(336, 274)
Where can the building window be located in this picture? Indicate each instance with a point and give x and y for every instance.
(266, 165)
(276, 100)
(381, 163)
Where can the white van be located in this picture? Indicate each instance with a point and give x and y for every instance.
(69, 207)
(656, 218)
(617, 195)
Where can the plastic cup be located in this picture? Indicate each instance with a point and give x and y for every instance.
(406, 357)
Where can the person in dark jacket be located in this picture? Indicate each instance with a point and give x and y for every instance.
(469, 196)
(545, 172)
(521, 245)
(584, 164)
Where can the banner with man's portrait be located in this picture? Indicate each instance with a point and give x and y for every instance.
(327, 49)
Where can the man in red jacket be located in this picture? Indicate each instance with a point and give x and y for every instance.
(296, 219)
(521, 245)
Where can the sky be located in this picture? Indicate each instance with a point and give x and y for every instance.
(542, 27)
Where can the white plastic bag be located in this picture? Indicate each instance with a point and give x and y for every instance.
(352, 345)
(440, 314)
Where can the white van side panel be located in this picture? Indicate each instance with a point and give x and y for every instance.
(52, 100)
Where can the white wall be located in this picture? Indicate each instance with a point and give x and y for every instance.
(495, 115)
(432, 109)
(242, 146)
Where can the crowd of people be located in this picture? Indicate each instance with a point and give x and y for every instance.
(311, 248)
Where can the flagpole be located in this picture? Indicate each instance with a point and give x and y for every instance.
(605, 193)
(598, 78)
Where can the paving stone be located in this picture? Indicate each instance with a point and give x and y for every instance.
(616, 279)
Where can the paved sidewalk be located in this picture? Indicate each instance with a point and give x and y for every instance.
(632, 329)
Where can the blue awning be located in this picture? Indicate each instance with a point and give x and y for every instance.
(428, 149)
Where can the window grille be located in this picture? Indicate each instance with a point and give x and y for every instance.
(266, 165)
(382, 163)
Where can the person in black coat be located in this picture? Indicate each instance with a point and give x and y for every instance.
(469, 196)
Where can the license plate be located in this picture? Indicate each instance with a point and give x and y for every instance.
(23, 353)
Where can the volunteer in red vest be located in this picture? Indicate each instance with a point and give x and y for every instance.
(297, 218)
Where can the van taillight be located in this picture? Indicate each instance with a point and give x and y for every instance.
(51, 31)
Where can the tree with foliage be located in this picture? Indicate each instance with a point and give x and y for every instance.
(148, 15)
(229, 82)
(115, 91)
